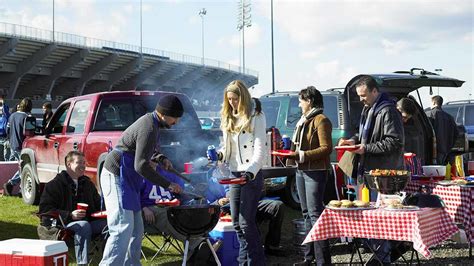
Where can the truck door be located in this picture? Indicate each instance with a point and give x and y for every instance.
(46, 148)
(75, 131)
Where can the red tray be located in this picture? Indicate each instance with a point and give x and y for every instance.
(171, 203)
(232, 181)
(102, 214)
(347, 148)
(281, 152)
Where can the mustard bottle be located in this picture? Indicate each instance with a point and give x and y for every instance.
(365, 194)
(448, 172)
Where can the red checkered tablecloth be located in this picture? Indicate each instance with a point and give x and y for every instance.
(425, 228)
(459, 202)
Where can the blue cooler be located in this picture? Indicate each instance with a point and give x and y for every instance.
(229, 250)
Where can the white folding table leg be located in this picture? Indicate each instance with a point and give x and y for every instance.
(213, 252)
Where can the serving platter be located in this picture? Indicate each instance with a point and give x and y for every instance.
(350, 209)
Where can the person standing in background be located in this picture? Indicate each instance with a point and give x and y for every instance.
(311, 147)
(445, 128)
(4, 142)
(47, 113)
(16, 124)
(244, 141)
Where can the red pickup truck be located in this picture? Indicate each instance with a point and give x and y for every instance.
(93, 124)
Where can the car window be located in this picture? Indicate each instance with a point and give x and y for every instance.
(453, 111)
(270, 109)
(330, 110)
(114, 114)
(58, 120)
(469, 115)
(78, 117)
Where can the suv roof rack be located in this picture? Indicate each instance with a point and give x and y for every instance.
(412, 72)
(460, 102)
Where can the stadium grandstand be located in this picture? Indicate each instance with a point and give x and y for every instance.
(47, 66)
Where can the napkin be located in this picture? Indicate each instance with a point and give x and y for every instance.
(347, 163)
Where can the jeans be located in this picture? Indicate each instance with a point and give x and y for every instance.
(124, 244)
(272, 211)
(5, 143)
(16, 178)
(310, 186)
(243, 209)
(83, 232)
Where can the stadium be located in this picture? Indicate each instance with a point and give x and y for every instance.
(53, 66)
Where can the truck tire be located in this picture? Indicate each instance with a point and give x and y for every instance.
(29, 187)
(290, 193)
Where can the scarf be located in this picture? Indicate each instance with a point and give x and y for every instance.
(300, 126)
(367, 123)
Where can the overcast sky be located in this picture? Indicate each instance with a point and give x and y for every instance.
(320, 42)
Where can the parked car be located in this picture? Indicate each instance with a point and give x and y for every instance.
(210, 122)
(343, 108)
(463, 113)
(93, 124)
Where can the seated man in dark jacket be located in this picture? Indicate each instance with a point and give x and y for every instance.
(62, 195)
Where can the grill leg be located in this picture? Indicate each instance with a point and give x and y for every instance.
(186, 247)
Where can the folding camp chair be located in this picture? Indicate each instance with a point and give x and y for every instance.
(168, 241)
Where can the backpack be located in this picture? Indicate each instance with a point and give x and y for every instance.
(4, 120)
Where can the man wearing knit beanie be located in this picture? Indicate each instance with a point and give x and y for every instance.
(169, 109)
(122, 177)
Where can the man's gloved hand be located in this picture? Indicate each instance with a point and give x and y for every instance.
(248, 176)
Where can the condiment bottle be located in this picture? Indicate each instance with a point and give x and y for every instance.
(365, 194)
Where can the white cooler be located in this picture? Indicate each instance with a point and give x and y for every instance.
(17, 251)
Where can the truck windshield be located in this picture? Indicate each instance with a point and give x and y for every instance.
(118, 114)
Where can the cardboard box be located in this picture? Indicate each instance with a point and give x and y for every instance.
(33, 252)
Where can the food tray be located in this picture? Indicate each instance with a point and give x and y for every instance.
(350, 209)
(101, 214)
(232, 181)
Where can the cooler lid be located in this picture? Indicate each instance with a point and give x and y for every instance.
(32, 247)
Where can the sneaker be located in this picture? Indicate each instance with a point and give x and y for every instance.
(7, 189)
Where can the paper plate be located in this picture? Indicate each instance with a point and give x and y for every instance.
(347, 148)
(281, 152)
(232, 181)
(101, 214)
(171, 203)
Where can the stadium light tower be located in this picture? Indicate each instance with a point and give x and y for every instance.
(53, 20)
(244, 19)
(202, 13)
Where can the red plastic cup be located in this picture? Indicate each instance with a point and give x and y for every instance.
(188, 168)
(82, 206)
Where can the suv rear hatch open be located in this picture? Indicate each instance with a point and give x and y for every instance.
(399, 85)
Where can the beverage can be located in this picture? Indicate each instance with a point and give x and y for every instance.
(212, 153)
(286, 142)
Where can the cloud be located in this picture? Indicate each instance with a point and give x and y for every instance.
(330, 74)
(397, 46)
(252, 37)
(324, 22)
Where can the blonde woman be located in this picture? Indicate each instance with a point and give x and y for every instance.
(244, 142)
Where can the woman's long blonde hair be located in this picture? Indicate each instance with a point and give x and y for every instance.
(244, 111)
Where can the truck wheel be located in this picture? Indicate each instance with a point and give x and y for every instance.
(29, 187)
(290, 193)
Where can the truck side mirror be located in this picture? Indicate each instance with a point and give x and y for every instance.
(29, 126)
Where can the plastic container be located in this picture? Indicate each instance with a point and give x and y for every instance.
(229, 250)
(434, 170)
(35, 252)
